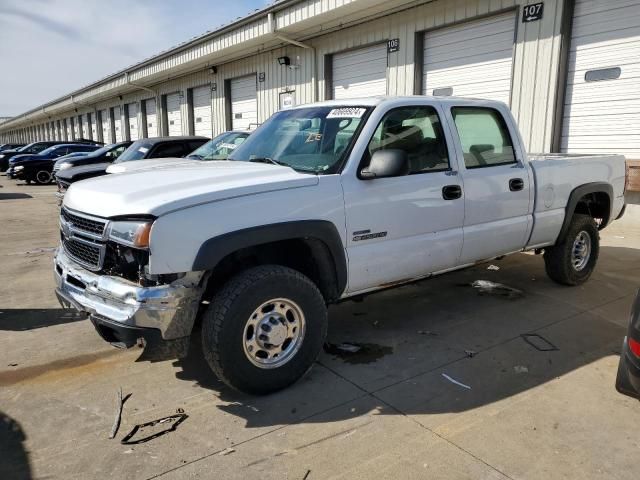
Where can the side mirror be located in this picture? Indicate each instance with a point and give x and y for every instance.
(386, 163)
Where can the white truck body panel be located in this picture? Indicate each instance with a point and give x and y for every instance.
(423, 233)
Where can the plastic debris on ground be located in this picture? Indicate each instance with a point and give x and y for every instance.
(520, 369)
(493, 268)
(485, 287)
(456, 382)
(227, 451)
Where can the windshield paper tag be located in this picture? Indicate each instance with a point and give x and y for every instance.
(143, 149)
(230, 146)
(347, 113)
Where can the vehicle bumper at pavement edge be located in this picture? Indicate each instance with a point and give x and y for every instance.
(122, 311)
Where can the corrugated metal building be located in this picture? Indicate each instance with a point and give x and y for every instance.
(569, 69)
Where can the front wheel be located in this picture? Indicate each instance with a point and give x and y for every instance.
(43, 177)
(264, 329)
(572, 261)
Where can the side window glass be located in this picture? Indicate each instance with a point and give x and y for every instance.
(168, 150)
(416, 130)
(484, 136)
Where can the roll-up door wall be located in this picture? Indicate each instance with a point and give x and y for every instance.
(201, 113)
(132, 121)
(473, 59)
(106, 126)
(602, 98)
(360, 73)
(244, 103)
(117, 124)
(151, 117)
(173, 115)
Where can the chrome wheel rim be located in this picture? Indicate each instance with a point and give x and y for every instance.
(274, 333)
(581, 251)
(43, 177)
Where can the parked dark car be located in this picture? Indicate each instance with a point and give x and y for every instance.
(160, 147)
(10, 146)
(106, 154)
(31, 148)
(628, 379)
(39, 167)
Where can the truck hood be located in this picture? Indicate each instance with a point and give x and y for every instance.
(158, 191)
(134, 165)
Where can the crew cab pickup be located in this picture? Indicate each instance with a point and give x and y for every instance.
(322, 203)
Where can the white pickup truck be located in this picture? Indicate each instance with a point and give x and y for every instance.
(322, 203)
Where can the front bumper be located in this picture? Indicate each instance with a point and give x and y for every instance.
(122, 306)
(628, 377)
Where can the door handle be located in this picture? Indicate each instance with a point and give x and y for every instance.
(451, 192)
(516, 184)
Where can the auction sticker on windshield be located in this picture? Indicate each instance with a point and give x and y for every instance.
(230, 146)
(347, 113)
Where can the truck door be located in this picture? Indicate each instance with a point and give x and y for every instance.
(404, 227)
(497, 186)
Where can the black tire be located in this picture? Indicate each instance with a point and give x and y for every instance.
(224, 322)
(558, 259)
(43, 177)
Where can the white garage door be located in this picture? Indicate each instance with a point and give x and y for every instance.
(151, 117)
(105, 126)
(117, 123)
(202, 111)
(360, 73)
(473, 59)
(94, 128)
(602, 102)
(86, 127)
(174, 118)
(132, 118)
(244, 103)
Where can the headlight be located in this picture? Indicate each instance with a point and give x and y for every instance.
(131, 233)
(2, 156)
(18, 168)
(64, 166)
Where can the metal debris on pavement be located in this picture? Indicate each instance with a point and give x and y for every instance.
(493, 268)
(493, 288)
(453, 380)
(539, 342)
(470, 353)
(119, 406)
(171, 421)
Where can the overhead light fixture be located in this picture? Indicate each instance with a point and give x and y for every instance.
(284, 61)
(213, 70)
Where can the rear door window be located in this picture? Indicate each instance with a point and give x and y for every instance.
(164, 150)
(484, 136)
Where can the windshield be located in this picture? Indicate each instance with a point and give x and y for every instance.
(306, 139)
(220, 147)
(136, 151)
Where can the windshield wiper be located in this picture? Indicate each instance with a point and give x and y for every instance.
(268, 160)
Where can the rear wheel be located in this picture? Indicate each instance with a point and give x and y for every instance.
(264, 329)
(43, 177)
(572, 261)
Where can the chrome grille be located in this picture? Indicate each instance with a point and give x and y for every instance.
(81, 223)
(84, 252)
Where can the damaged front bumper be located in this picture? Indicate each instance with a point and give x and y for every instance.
(123, 311)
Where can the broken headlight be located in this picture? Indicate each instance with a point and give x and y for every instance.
(134, 233)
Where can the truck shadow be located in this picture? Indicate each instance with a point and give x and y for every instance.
(15, 459)
(442, 346)
(21, 319)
